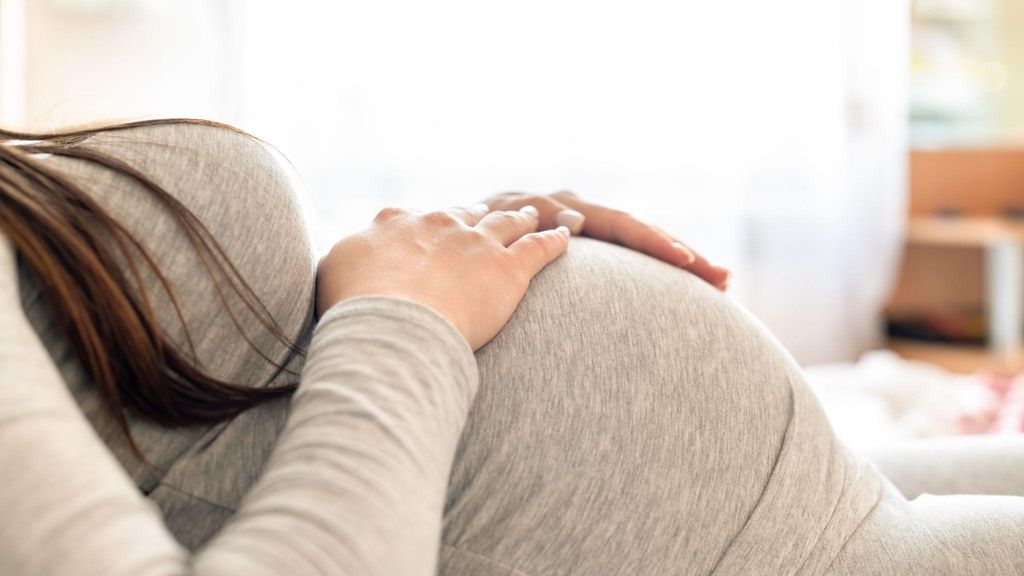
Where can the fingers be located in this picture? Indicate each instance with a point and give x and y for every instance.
(622, 228)
(699, 265)
(507, 226)
(714, 275)
(673, 251)
(551, 211)
(610, 225)
(538, 249)
(572, 214)
(571, 219)
(470, 215)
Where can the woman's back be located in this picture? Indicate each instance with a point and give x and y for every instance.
(630, 420)
(198, 474)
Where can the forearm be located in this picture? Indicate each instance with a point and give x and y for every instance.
(361, 468)
(355, 486)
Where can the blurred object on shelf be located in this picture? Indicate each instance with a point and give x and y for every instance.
(1015, 212)
(951, 326)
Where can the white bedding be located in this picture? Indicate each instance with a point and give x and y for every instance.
(883, 398)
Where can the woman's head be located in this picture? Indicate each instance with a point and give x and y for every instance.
(105, 285)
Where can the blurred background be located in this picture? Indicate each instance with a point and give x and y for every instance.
(859, 164)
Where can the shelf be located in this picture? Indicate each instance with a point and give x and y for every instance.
(966, 248)
(959, 357)
(1003, 242)
(964, 232)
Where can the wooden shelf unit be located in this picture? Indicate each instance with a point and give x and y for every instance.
(958, 357)
(967, 232)
(979, 187)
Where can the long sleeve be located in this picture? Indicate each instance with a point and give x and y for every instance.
(356, 484)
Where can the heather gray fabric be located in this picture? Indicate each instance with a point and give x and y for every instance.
(955, 465)
(239, 188)
(629, 420)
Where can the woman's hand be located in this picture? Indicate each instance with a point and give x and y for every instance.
(602, 223)
(470, 265)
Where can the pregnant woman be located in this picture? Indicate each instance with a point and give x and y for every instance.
(167, 407)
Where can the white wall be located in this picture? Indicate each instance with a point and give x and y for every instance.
(90, 60)
(768, 134)
(12, 62)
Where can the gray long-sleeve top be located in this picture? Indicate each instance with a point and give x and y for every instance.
(355, 485)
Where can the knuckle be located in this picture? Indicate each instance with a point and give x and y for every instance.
(474, 234)
(537, 242)
(547, 245)
(556, 243)
(508, 217)
(439, 217)
(546, 203)
(388, 213)
(519, 199)
(621, 215)
(563, 194)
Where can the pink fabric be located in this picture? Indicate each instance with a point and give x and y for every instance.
(1004, 414)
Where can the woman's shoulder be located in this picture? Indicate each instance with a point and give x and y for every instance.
(169, 146)
(226, 177)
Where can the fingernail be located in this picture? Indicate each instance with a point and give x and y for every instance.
(686, 252)
(563, 231)
(531, 210)
(571, 219)
(724, 284)
(481, 207)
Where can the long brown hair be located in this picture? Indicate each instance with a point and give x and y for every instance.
(91, 271)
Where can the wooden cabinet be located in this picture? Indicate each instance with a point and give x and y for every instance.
(965, 250)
